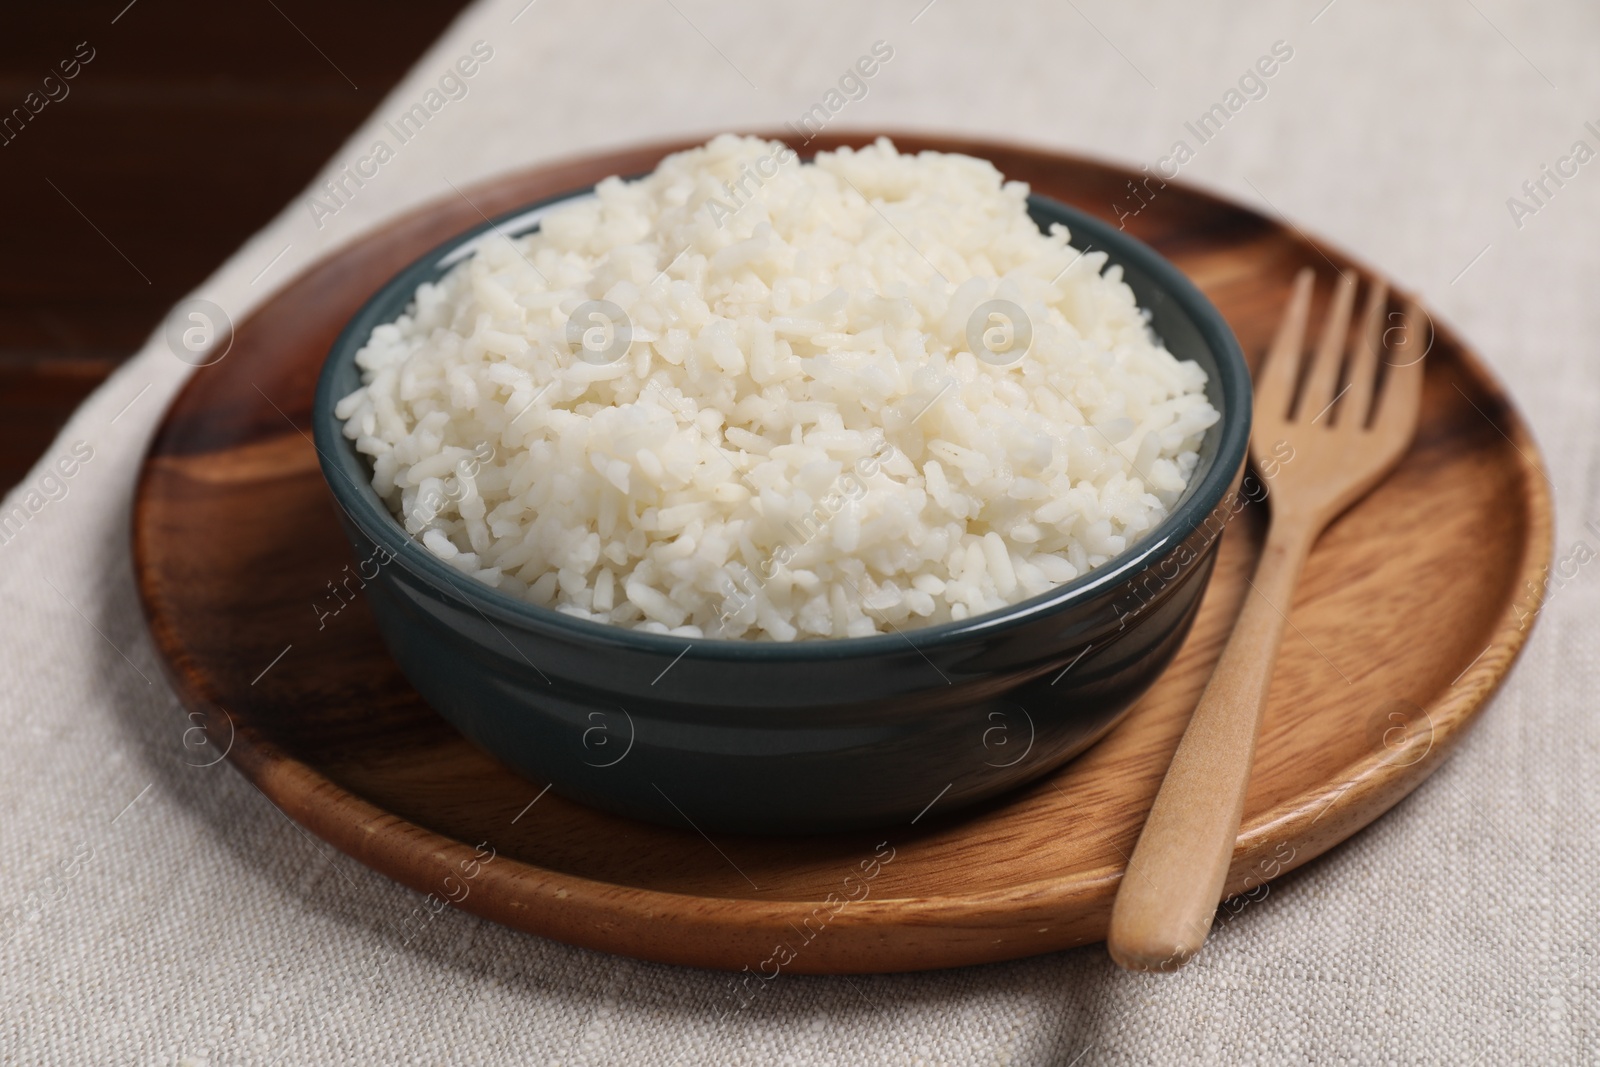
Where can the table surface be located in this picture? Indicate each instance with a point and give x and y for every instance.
(153, 910)
(163, 91)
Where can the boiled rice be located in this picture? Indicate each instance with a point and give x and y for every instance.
(789, 436)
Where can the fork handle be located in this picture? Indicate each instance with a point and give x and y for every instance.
(1174, 881)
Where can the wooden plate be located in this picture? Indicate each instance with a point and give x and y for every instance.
(1413, 607)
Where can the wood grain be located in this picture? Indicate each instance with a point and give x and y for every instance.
(168, 82)
(1405, 621)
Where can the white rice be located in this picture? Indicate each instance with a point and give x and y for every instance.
(797, 440)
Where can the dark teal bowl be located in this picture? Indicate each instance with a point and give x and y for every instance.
(820, 735)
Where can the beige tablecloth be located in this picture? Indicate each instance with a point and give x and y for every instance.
(155, 912)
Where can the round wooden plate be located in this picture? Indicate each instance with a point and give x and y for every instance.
(1412, 609)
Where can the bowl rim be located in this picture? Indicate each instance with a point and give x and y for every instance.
(340, 465)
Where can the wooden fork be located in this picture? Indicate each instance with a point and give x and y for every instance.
(1342, 445)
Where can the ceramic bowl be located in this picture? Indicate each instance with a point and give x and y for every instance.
(812, 736)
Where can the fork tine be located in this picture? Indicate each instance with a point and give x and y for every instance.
(1276, 377)
(1322, 382)
(1357, 404)
(1396, 415)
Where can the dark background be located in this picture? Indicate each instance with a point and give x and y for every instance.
(194, 123)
